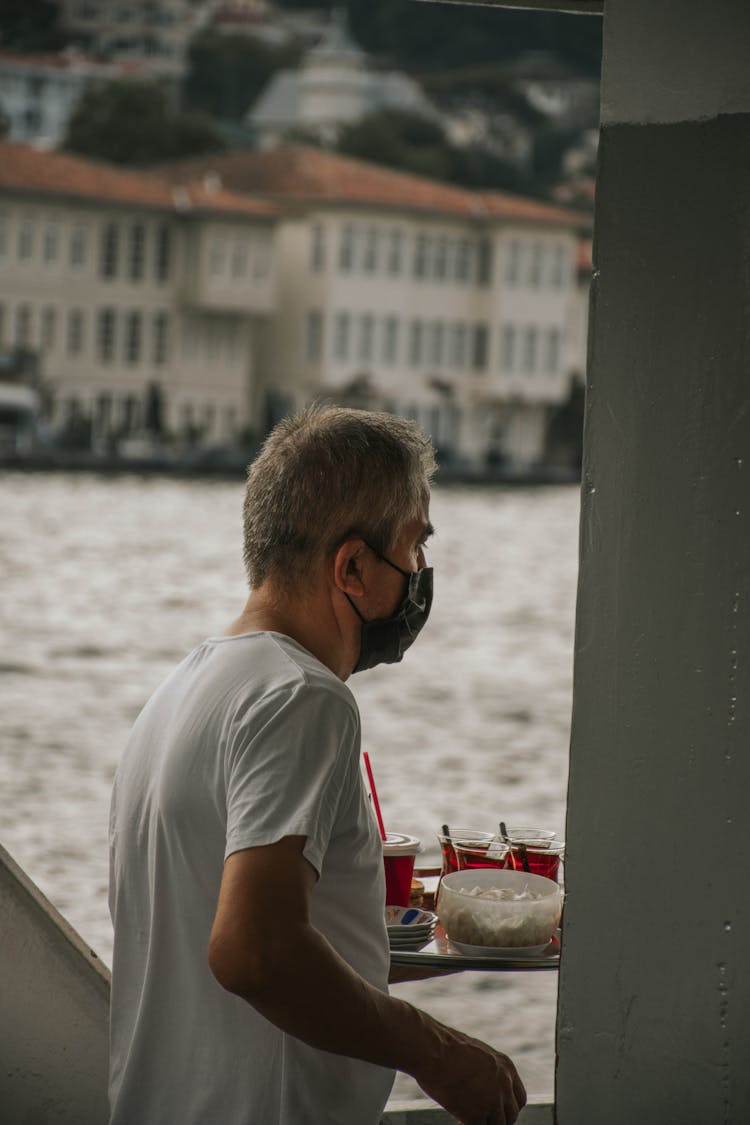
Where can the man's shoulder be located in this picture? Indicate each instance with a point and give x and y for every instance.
(307, 674)
(266, 665)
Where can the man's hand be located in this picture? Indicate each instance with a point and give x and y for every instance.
(264, 948)
(478, 1085)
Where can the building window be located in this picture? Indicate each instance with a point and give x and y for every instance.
(130, 413)
(420, 256)
(109, 251)
(479, 347)
(23, 326)
(484, 262)
(346, 249)
(136, 251)
(436, 343)
(559, 261)
(25, 240)
(77, 245)
(216, 257)
(317, 248)
(535, 265)
(513, 263)
(552, 358)
(508, 347)
(133, 336)
(463, 260)
(395, 245)
(106, 335)
(262, 258)
(415, 343)
(458, 345)
(341, 336)
(239, 258)
(74, 341)
(160, 338)
(163, 257)
(440, 263)
(102, 420)
(365, 338)
(530, 341)
(390, 339)
(48, 325)
(51, 243)
(314, 343)
(370, 260)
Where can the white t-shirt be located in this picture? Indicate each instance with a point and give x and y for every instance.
(249, 740)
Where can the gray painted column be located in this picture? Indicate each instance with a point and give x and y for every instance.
(654, 999)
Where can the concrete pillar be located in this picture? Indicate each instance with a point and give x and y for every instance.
(654, 998)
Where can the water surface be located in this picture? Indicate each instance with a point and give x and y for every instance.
(108, 582)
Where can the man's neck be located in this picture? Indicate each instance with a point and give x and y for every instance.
(308, 620)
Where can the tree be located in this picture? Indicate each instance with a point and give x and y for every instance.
(30, 25)
(129, 122)
(400, 139)
(410, 142)
(551, 142)
(424, 37)
(227, 72)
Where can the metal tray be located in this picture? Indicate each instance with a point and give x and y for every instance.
(439, 953)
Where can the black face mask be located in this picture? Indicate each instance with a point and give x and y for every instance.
(386, 639)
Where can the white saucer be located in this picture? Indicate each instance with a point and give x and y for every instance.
(416, 943)
(408, 917)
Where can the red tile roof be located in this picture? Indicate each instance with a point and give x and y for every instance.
(311, 175)
(59, 175)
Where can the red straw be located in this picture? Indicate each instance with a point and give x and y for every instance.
(374, 794)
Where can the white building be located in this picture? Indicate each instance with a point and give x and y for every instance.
(334, 86)
(461, 309)
(141, 301)
(173, 304)
(153, 32)
(39, 92)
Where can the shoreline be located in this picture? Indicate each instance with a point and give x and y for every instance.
(227, 467)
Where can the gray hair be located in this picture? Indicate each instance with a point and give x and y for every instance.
(325, 473)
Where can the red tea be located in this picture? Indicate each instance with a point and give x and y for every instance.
(459, 836)
(475, 856)
(541, 861)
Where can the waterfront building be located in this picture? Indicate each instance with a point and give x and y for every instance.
(205, 303)
(156, 34)
(39, 92)
(140, 300)
(464, 310)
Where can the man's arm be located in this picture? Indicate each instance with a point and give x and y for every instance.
(264, 949)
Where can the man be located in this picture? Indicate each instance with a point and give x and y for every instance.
(250, 967)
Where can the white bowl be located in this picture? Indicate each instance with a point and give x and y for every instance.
(511, 923)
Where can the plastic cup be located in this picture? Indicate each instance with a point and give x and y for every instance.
(459, 836)
(399, 853)
(492, 853)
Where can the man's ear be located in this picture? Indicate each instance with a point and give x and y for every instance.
(347, 567)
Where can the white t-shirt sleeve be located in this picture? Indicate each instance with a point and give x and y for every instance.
(288, 768)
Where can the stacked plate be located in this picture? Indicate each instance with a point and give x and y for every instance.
(409, 928)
